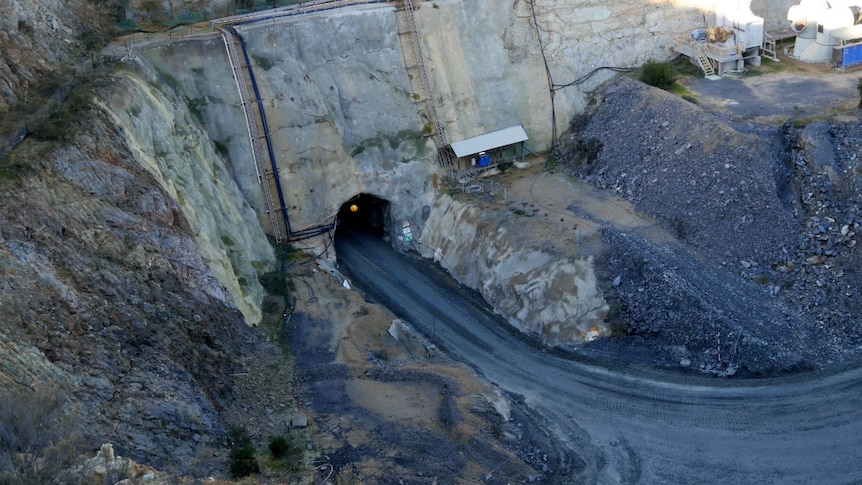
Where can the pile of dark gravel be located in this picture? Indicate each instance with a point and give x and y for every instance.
(767, 271)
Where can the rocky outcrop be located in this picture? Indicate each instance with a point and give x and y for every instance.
(39, 40)
(548, 293)
(165, 139)
(105, 292)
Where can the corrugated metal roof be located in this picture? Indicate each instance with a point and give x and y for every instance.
(489, 141)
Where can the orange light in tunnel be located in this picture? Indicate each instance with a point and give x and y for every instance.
(354, 208)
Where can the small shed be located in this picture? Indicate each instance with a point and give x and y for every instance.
(490, 149)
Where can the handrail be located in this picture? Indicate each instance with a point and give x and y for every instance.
(714, 51)
(290, 10)
(227, 26)
(265, 126)
(254, 138)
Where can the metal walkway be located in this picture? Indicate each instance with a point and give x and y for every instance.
(256, 123)
(253, 121)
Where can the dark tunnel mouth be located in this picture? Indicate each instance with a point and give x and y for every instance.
(365, 213)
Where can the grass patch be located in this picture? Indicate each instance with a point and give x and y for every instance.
(681, 91)
(768, 66)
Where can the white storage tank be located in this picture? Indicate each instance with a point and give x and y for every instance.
(738, 17)
(814, 22)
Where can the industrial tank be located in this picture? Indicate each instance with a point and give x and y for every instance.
(816, 23)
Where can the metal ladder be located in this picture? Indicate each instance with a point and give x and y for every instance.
(703, 61)
(430, 103)
(768, 49)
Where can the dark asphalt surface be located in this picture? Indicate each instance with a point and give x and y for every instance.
(630, 424)
(789, 94)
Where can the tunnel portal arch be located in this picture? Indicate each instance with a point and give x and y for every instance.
(366, 213)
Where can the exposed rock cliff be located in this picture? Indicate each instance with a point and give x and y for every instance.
(105, 291)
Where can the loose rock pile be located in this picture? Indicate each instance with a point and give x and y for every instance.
(768, 272)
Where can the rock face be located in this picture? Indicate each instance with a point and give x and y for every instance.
(38, 38)
(547, 293)
(344, 110)
(167, 141)
(130, 249)
(346, 117)
(105, 292)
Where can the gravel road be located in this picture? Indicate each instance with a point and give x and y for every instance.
(628, 424)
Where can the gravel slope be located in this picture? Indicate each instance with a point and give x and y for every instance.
(771, 211)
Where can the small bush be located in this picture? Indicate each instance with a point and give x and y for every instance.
(287, 450)
(239, 436)
(243, 461)
(38, 437)
(274, 283)
(859, 89)
(659, 74)
(279, 446)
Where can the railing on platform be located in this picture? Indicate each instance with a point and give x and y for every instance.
(238, 69)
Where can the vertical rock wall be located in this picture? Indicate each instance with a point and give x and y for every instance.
(343, 116)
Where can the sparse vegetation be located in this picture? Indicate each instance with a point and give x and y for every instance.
(243, 461)
(243, 456)
(38, 438)
(278, 446)
(9, 173)
(659, 74)
(287, 450)
(584, 151)
(274, 283)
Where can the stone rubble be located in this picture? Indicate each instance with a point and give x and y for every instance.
(772, 212)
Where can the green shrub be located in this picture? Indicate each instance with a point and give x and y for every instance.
(659, 74)
(287, 450)
(239, 436)
(274, 283)
(243, 461)
(279, 446)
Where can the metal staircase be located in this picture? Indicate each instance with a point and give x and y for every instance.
(407, 26)
(703, 60)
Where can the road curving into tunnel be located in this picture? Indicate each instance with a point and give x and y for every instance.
(618, 422)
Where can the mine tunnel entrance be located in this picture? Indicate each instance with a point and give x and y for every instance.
(365, 213)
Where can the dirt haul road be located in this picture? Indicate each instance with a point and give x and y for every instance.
(627, 424)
